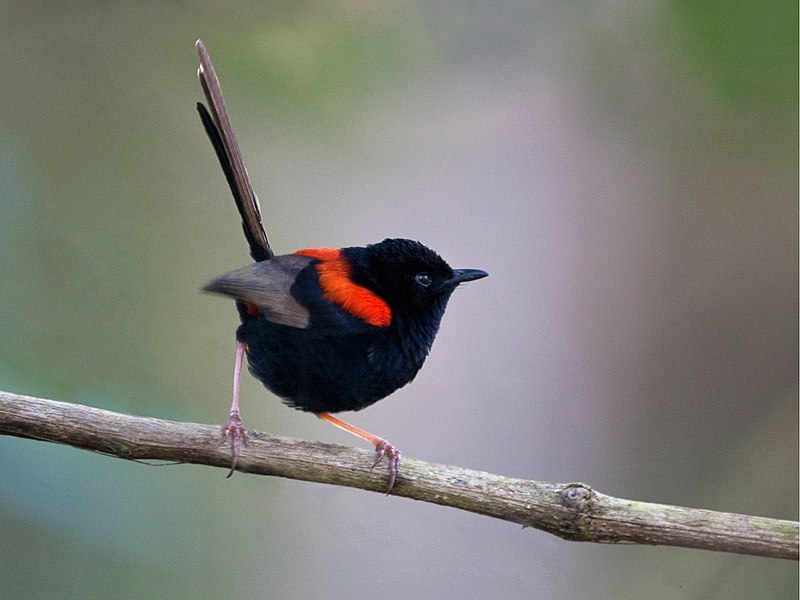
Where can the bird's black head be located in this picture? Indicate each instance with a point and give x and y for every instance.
(409, 276)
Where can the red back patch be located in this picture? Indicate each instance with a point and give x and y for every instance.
(337, 287)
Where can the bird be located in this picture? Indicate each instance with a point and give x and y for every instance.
(325, 329)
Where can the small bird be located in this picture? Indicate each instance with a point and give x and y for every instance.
(325, 329)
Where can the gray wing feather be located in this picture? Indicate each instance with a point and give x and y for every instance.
(267, 284)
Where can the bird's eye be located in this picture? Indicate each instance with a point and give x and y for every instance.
(423, 279)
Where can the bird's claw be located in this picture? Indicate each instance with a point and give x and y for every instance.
(234, 430)
(384, 448)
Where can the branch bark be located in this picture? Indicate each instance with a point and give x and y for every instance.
(573, 511)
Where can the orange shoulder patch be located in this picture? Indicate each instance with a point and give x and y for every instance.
(337, 287)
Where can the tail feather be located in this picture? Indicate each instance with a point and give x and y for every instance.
(218, 128)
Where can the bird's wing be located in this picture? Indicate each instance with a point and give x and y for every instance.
(269, 286)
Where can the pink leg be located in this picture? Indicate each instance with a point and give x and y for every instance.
(234, 429)
(382, 447)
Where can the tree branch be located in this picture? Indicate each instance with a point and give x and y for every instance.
(571, 511)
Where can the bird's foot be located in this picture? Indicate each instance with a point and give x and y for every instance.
(235, 431)
(384, 448)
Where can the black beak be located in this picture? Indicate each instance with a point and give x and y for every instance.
(462, 275)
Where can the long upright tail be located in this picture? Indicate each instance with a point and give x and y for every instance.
(218, 127)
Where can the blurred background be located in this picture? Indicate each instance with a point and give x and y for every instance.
(627, 173)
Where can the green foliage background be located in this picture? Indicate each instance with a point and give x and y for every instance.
(627, 173)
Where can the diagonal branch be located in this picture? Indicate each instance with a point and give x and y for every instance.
(572, 511)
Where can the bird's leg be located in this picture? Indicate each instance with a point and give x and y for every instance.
(382, 447)
(234, 429)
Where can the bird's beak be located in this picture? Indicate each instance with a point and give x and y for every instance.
(462, 275)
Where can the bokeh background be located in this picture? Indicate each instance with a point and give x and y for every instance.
(627, 173)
